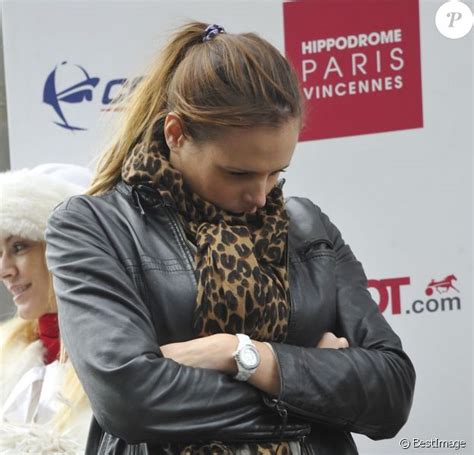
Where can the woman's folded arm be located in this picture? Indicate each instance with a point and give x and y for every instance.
(136, 394)
(366, 388)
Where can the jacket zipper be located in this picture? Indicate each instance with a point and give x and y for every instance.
(304, 414)
(290, 303)
(282, 409)
(276, 405)
(184, 240)
(174, 219)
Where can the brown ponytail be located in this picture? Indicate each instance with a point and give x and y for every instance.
(231, 80)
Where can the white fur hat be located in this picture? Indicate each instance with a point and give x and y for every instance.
(28, 196)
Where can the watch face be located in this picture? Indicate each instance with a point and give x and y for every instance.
(249, 358)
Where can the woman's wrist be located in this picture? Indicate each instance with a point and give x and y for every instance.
(217, 352)
(266, 376)
(226, 346)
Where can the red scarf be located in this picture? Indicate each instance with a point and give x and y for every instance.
(49, 336)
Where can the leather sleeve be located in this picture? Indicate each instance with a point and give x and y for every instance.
(136, 394)
(367, 388)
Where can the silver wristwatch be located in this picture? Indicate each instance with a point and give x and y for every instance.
(247, 358)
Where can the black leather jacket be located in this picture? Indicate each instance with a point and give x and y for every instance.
(124, 281)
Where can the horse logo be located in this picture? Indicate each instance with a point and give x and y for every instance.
(441, 286)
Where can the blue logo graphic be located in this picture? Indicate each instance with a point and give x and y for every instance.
(78, 88)
(70, 85)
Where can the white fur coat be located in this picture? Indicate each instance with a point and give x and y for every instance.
(28, 390)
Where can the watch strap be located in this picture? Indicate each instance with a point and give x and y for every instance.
(242, 374)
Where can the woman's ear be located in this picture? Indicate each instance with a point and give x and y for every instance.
(173, 131)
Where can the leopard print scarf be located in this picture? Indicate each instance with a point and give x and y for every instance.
(240, 260)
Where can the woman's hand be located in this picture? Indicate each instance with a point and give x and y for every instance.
(331, 341)
(213, 352)
(216, 353)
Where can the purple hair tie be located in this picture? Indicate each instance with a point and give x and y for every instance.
(211, 32)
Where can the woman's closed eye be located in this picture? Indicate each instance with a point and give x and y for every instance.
(241, 174)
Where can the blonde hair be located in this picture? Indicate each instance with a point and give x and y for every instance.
(20, 330)
(232, 80)
(72, 395)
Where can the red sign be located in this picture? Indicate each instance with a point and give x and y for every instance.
(393, 285)
(359, 65)
(389, 296)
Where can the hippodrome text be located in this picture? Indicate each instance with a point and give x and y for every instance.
(358, 65)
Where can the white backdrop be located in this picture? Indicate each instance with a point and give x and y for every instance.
(402, 199)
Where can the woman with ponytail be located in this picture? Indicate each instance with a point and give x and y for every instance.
(43, 408)
(203, 312)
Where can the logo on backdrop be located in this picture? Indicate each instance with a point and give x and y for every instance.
(443, 295)
(454, 19)
(68, 84)
(441, 286)
(77, 98)
(359, 65)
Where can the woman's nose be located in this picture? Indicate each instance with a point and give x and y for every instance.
(259, 199)
(257, 196)
(7, 267)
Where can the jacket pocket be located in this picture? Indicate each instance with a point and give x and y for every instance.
(312, 249)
